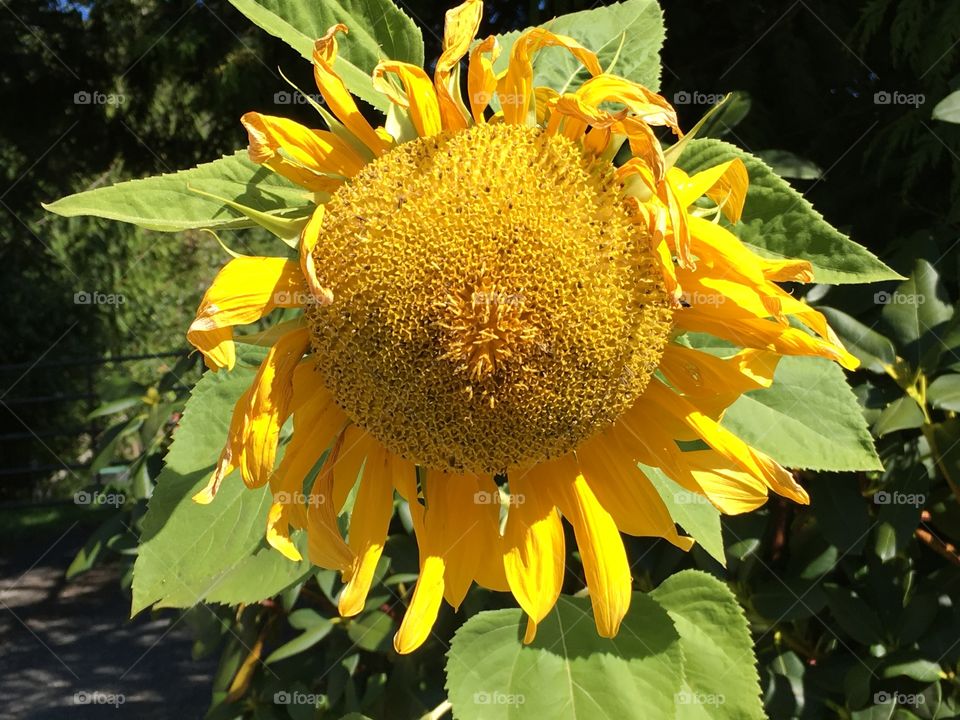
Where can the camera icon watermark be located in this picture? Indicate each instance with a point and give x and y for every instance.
(686, 697)
(284, 97)
(888, 698)
(484, 697)
(299, 498)
(695, 97)
(98, 298)
(115, 500)
(483, 497)
(886, 97)
(97, 697)
(95, 97)
(898, 298)
(284, 697)
(899, 498)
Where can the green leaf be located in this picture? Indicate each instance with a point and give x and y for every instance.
(719, 667)
(902, 414)
(568, 671)
(872, 349)
(166, 203)
(948, 109)
(216, 553)
(378, 30)
(778, 222)
(692, 512)
(371, 631)
(916, 313)
(304, 641)
(626, 38)
(788, 165)
(854, 616)
(809, 418)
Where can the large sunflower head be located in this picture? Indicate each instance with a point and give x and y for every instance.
(495, 315)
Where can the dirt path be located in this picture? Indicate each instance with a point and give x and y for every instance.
(67, 649)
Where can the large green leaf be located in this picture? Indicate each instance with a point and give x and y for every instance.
(778, 222)
(809, 418)
(378, 30)
(693, 512)
(918, 313)
(167, 203)
(719, 668)
(216, 553)
(626, 37)
(568, 671)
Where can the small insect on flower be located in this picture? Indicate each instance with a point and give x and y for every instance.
(487, 296)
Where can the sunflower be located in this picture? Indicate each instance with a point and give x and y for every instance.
(495, 328)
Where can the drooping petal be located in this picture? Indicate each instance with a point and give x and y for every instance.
(326, 546)
(726, 443)
(460, 27)
(533, 552)
(515, 88)
(369, 523)
(625, 492)
(338, 98)
(422, 612)
(245, 289)
(725, 184)
(420, 98)
(230, 455)
(598, 539)
(481, 79)
(268, 407)
(308, 241)
(316, 159)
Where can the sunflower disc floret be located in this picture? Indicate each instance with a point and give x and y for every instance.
(493, 304)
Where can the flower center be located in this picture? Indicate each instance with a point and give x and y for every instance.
(493, 306)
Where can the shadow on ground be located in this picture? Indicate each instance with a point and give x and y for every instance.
(69, 649)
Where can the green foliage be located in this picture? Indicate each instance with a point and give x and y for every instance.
(171, 203)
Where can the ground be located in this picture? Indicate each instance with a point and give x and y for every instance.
(69, 645)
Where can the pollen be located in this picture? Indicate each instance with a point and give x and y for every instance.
(493, 304)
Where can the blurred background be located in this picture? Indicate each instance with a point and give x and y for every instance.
(838, 97)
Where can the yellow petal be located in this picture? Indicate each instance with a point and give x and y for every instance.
(326, 547)
(726, 184)
(460, 27)
(336, 95)
(278, 533)
(601, 547)
(246, 289)
(515, 88)
(269, 405)
(230, 455)
(420, 98)
(726, 443)
(316, 159)
(422, 612)
(369, 523)
(626, 493)
(533, 552)
(647, 106)
(481, 79)
(308, 241)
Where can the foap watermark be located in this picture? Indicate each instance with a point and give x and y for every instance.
(283, 697)
(299, 498)
(899, 498)
(296, 298)
(82, 497)
(95, 97)
(685, 697)
(496, 697)
(282, 97)
(898, 298)
(96, 297)
(887, 698)
(482, 497)
(694, 299)
(690, 498)
(895, 97)
(695, 97)
(484, 298)
(97, 697)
